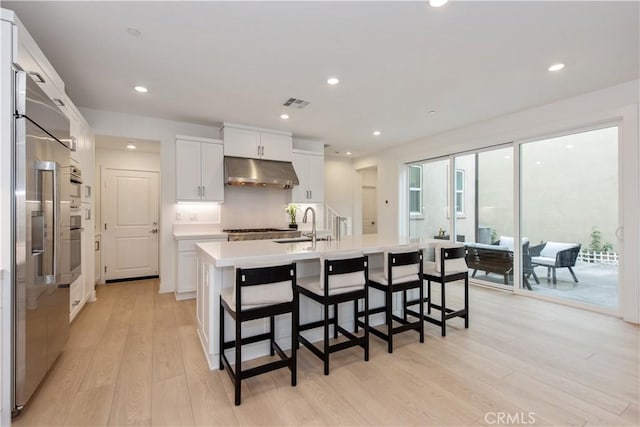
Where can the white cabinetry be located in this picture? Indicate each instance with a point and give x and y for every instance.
(97, 260)
(186, 277)
(257, 143)
(309, 167)
(199, 169)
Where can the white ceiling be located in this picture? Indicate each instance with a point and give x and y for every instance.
(208, 62)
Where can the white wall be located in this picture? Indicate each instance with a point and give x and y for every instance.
(165, 131)
(338, 191)
(615, 103)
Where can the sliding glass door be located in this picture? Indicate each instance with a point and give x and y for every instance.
(569, 213)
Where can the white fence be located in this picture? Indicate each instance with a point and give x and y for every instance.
(609, 258)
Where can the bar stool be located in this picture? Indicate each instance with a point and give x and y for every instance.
(449, 266)
(259, 292)
(402, 272)
(343, 278)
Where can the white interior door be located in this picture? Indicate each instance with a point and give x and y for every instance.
(369, 210)
(130, 224)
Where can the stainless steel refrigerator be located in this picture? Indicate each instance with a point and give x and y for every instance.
(40, 236)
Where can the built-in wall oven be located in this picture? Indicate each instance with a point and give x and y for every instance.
(75, 244)
(75, 187)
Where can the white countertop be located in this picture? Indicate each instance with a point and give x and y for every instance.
(227, 254)
(195, 231)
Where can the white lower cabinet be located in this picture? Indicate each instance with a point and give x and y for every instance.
(186, 267)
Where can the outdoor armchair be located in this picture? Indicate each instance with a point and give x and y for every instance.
(554, 255)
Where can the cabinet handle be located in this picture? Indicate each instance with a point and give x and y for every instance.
(310, 194)
(76, 302)
(259, 150)
(203, 190)
(199, 191)
(262, 150)
(97, 245)
(37, 76)
(59, 102)
(87, 214)
(87, 191)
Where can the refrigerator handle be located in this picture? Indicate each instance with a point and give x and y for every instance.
(38, 222)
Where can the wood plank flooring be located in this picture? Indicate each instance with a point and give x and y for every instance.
(133, 358)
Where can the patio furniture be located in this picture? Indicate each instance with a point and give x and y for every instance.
(554, 255)
(498, 258)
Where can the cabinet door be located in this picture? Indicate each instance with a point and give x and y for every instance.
(186, 271)
(315, 178)
(187, 170)
(212, 165)
(97, 262)
(276, 146)
(300, 193)
(241, 143)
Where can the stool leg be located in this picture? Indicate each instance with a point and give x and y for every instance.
(335, 321)
(389, 311)
(366, 327)
(238, 367)
(421, 311)
(272, 334)
(221, 337)
(428, 296)
(295, 344)
(404, 305)
(355, 316)
(326, 339)
(443, 310)
(466, 301)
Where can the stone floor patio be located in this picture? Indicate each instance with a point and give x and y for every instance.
(598, 283)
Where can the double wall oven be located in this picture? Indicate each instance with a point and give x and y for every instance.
(75, 222)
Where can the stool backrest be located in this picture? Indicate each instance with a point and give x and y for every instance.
(264, 285)
(402, 264)
(345, 270)
(450, 257)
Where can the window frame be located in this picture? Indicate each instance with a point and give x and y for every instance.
(419, 213)
(459, 213)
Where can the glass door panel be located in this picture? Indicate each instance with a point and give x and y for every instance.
(428, 198)
(569, 213)
(483, 194)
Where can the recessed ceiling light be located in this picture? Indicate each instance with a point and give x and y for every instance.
(333, 81)
(538, 163)
(376, 132)
(134, 32)
(348, 153)
(437, 3)
(556, 67)
(141, 89)
(507, 157)
(131, 146)
(284, 116)
(569, 146)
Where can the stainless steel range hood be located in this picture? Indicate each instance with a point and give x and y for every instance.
(241, 171)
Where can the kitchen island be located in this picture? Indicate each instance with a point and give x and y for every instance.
(215, 270)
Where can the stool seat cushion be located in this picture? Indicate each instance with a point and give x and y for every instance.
(429, 268)
(313, 284)
(228, 295)
(378, 276)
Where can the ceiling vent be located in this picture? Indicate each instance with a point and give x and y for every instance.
(295, 103)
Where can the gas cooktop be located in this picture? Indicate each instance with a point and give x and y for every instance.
(252, 230)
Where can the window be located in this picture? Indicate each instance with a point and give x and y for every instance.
(459, 192)
(415, 190)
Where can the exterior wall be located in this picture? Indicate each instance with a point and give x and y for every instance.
(617, 103)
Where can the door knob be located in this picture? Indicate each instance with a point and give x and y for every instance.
(154, 231)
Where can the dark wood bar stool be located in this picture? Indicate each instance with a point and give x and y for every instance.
(402, 272)
(449, 266)
(260, 292)
(343, 278)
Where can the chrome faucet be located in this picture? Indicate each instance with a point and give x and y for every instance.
(313, 223)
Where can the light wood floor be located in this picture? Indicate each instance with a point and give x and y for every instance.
(133, 358)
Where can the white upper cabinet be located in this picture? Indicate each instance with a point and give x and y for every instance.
(257, 143)
(310, 170)
(199, 170)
